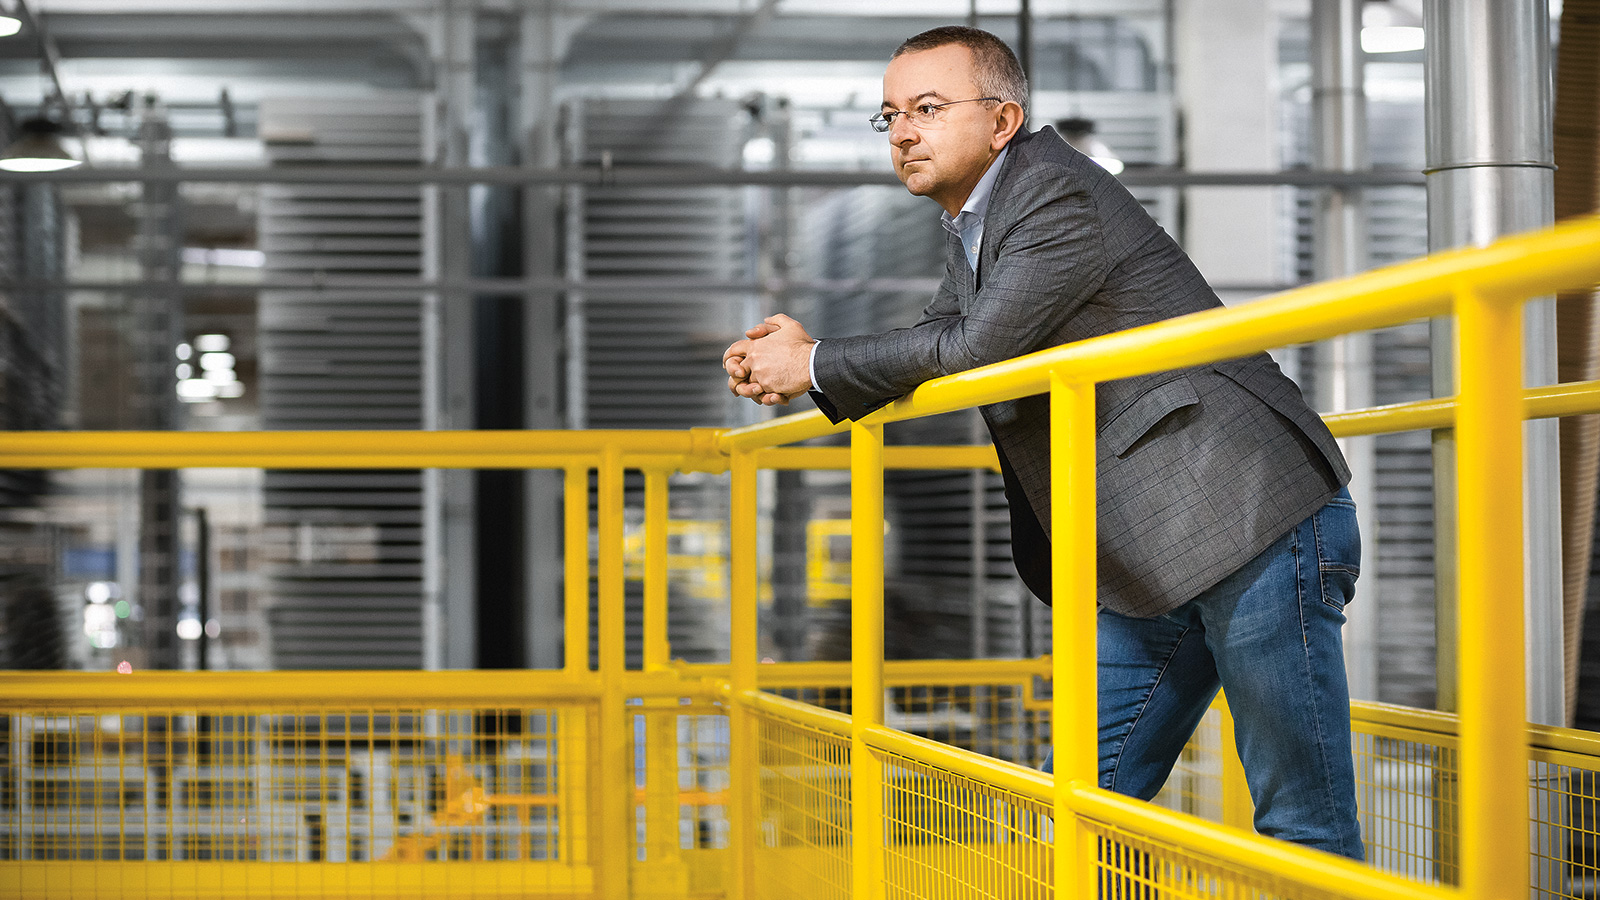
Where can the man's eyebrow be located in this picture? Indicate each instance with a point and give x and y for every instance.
(914, 100)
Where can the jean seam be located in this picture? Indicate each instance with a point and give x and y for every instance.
(1325, 565)
(1330, 809)
(1144, 704)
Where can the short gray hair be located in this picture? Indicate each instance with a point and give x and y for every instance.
(998, 74)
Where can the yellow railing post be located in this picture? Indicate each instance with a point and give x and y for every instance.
(662, 874)
(743, 754)
(1494, 753)
(657, 649)
(1238, 809)
(866, 657)
(615, 825)
(575, 649)
(1075, 702)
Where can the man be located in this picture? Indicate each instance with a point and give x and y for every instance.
(1227, 545)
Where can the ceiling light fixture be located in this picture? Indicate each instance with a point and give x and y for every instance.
(9, 25)
(1392, 39)
(1388, 27)
(38, 149)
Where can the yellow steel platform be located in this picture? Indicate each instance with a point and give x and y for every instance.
(811, 780)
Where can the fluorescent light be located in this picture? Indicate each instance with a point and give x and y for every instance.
(195, 390)
(1391, 39)
(223, 256)
(216, 361)
(37, 149)
(1109, 163)
(9, 25)
(211, 343)
(36, 164)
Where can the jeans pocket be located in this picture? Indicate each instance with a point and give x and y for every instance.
(1338, 551)
(1338, 584)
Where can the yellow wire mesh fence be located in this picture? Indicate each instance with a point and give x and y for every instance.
(399, 799)
(296, 799)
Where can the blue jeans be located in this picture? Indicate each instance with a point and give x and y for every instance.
(1269, 636)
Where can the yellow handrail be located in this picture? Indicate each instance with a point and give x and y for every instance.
(1483, 287)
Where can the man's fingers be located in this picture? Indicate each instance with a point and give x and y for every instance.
(760, 331)
(778, 320)
(735, 367)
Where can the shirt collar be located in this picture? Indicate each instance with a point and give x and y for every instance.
(977, 204)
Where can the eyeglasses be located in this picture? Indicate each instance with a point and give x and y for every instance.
(922, 115)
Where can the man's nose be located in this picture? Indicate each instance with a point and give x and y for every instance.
(901, 131)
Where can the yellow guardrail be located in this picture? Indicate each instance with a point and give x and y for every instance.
(870, 806)
(1482, 288)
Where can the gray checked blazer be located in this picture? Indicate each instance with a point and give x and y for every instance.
(1199, 469)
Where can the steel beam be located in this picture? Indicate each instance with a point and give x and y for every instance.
(607, 176)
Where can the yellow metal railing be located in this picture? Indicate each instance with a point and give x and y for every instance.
(1483, 290)
(538, 783)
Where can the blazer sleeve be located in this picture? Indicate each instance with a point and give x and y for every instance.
(1050, 259)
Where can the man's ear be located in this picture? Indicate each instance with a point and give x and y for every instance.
(1007, 122)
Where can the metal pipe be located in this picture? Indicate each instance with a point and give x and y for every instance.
(576, 328)
(657, 648)
(616, 815)
(202, 583)
(552, 449)
(1025, 39)
(602, 290)
(1339, 118)
(1529, 265)
(743, 646)
(1075, 702)
(1494, 756)
(1490, 172)
(643, 175)
(866, 657)
(575, 527)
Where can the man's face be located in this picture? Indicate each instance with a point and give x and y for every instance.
(945, 160)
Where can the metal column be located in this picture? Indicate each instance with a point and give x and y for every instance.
(156, 328)
(1490, 173)
(450, 608)
(542, 40)
(1339, 117)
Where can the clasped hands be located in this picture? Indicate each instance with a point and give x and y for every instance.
(772, 365)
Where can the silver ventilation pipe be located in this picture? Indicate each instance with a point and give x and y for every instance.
(1490, 173)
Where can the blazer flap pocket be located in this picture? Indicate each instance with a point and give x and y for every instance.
(1143, 412)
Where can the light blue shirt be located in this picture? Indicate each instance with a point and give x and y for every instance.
(967, 225)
